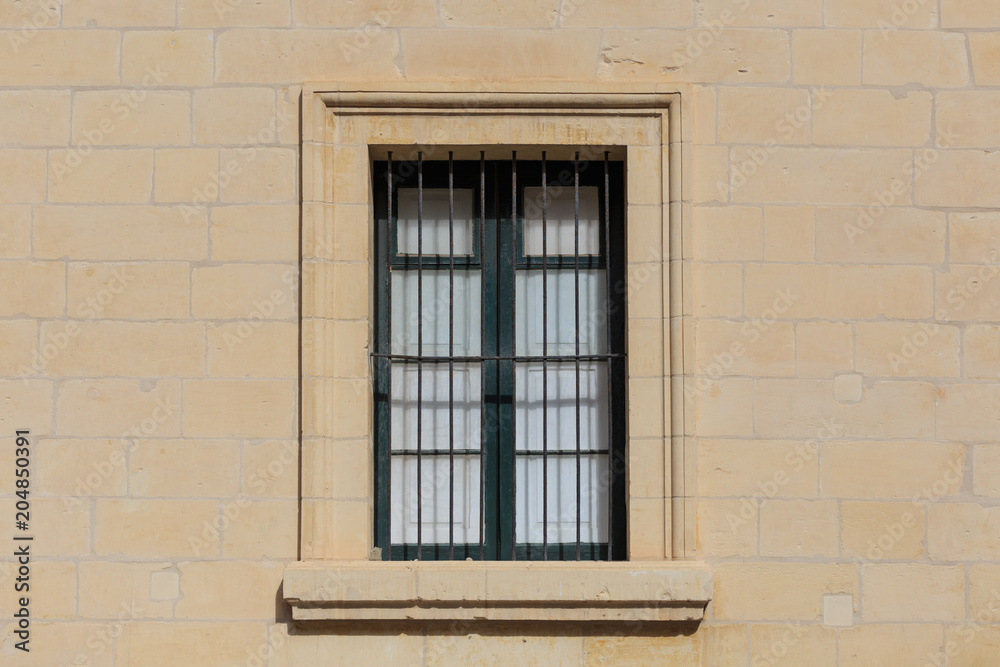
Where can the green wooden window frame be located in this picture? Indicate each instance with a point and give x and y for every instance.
(498, 253)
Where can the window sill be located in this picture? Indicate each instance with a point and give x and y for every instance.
(498, 591)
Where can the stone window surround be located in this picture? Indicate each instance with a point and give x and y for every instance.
(343, 128)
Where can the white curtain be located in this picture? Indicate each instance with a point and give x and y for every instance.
(559, 433)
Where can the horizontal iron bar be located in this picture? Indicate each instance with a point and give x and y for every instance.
(435, 452)
(553, 545)
(533, 550)
(519, 452)
(523, 359)
(560, 452)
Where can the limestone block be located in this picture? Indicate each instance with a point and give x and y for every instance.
(912, 592)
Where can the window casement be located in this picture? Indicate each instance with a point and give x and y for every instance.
(499, 358)
(461, 296)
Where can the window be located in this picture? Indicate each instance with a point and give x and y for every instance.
(499, 357)
(348, 128)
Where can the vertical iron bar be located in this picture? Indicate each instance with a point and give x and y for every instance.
(482, 366)
(388, 326)
(576, 281)
(513, 331)
(420, 345)
(451, 355)
(545, 366)
(607, 321)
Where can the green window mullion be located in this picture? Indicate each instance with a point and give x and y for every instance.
(505, 448)
(617, 367)
(381, 369)
(491, 393)
(505, 304)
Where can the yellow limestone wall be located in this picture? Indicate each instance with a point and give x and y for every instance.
(840, 273)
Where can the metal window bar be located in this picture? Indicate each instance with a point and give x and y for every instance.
(608, 357)
(610, 306)
(545, 363)
(420, 346)
(388, 325)
(513, 338)
(552, 358)
(451, 356)
(482, 338)
(524, 452)
(576, 287)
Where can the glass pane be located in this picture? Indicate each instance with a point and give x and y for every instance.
(559, 426)
(561, 495)
(435, 221)
(435, 475)
(561, 308)
(435, 314)
(560, 224)
(434, 425)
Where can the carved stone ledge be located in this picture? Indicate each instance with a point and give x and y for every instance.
(498, 591)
